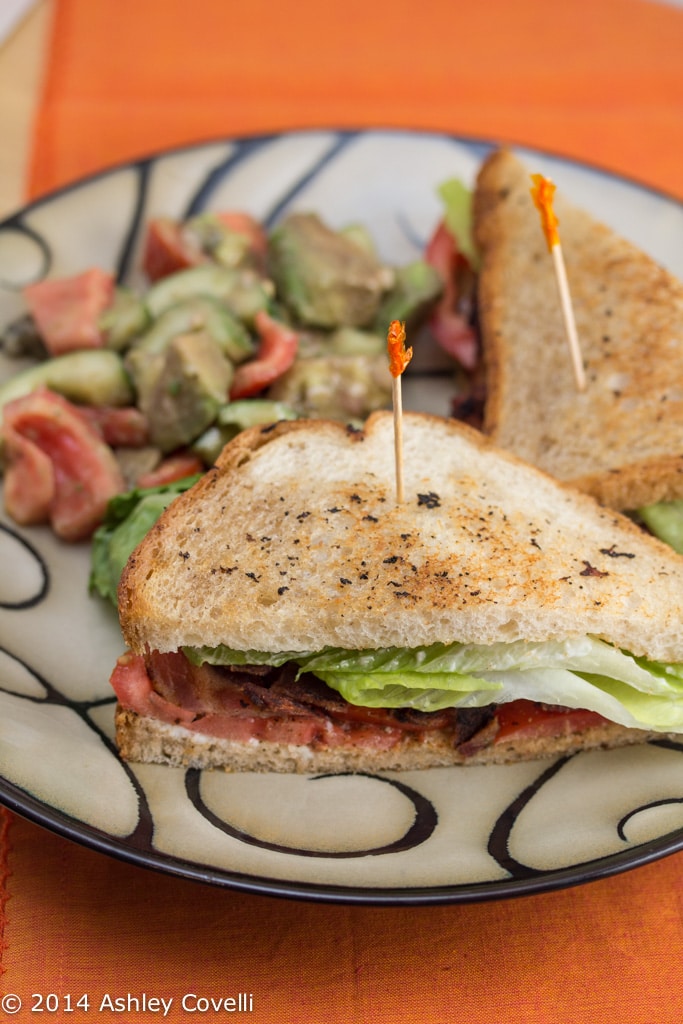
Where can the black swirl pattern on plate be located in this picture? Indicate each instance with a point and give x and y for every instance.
(43, 572)
(123, 262)
(499, 840)
(246, 149)
(16, 223)
(141, 837)
(668, 802)
(424, 823)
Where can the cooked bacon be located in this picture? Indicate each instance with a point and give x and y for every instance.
(255, 702)
(264, 701)
(248, 690)
(133, 687)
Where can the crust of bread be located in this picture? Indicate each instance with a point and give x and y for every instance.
(621, 439)
(146, 740)
(295, 542)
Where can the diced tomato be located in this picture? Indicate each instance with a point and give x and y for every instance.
(277, 350)
(524, 718)
(29, 480)
(86, 473)
(175, 467)
(245, 224)
(67, 310)
(455, 336)
(120, 426)
(167, 250)
(450, 328)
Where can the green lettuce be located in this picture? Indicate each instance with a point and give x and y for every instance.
(128, 518)
(457, 200)
(665, 520)
(580, 672)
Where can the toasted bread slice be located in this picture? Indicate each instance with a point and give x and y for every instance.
(295, 542)
(622, 438)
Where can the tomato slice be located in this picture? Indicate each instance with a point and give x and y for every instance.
(524, 718)
(450, 328)
(120, 426)
(167, 250)
(277, 351)
(29, 480)
(86, 473)
(173, 468)
(67, 310)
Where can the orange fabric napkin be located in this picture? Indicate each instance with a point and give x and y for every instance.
(78, 922)
(599, 80)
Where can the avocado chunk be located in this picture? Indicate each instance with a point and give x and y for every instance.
(325, 277)
(199, 312)
(94, 376)
(124, 319)
(235, 417)
(243, 292)
(181, 389)
(341, 387)
(228, 246)
(416, 289)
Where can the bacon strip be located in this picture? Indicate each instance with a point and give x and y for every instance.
(250, 703)
(260, 703)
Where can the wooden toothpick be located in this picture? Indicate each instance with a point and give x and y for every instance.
(399, 357)
(542, 194)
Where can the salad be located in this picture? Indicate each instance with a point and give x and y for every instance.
(133, 390)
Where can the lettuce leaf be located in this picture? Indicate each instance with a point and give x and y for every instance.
(457, 199)
(128, 518)
(665, 520)
(581, 672)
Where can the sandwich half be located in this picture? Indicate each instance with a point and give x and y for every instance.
(287, 614)
(622, 438)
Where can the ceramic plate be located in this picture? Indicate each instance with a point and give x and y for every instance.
(446, 835)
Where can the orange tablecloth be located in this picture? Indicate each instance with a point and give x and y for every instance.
(599, 80)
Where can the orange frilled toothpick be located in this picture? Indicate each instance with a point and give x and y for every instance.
(399, 357)
(542, 194)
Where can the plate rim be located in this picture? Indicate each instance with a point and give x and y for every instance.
(596, 869)
(152, 155)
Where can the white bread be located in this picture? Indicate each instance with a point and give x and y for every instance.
(147, 740)
(295, 542)
(622, 438)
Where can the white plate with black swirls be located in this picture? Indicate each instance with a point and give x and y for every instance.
(447, 835)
